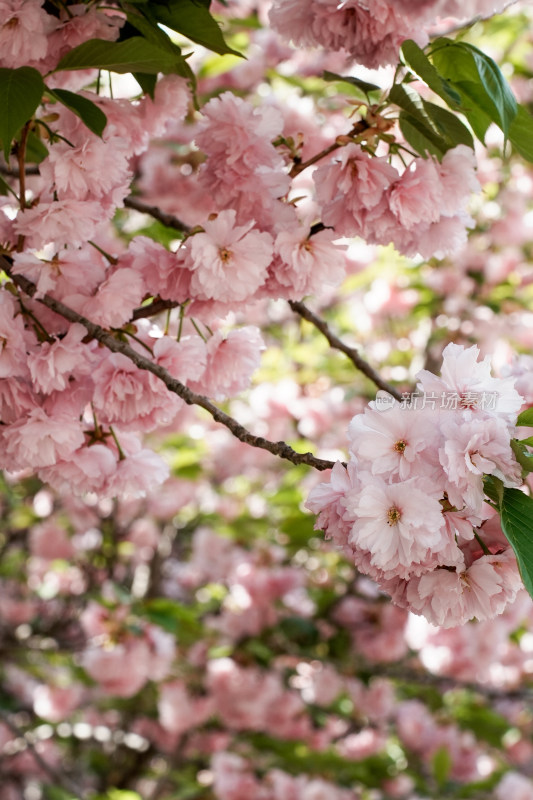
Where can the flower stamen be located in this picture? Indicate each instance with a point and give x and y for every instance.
(394, 515)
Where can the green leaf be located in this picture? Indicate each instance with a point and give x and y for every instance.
(417, 124)
(517, 524)
(495, 86)
(193, 20)
(5, 188)
(524, 458)
(92, 116)
(364, 86)
(474, 107)
(528, 441)
(299, 630)
(493, 488)
(420, 136)
(146, 82)
(21, 91)
(442, 764)
(57, 793)
(133, 55)
(521, 133)
(478, 80)
(420, 64)
(150, 30)
(428, 127)
(525, 419)
(450, 126)
(485, 723)
(148, 26)
(36, 150)
(174, 618)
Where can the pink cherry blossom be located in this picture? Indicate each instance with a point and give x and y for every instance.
(41, 440)
(473, 449)
(13, 337)
(237, 138)
(473, 384)
(24, 29)
(89, 469)
(457, 173)
(252, 700)
(418, 195)
(106, 666)
(90, 171)
(185, 360)
(55, 703)
(231, 361)
(16, 400)
(60, 222)
(53, 364)
(514, 785)
(114, 300)
(326, 500)
(229, 261)
(351, 186)
(49, 541)
(451, 598)
(397, 524)
(164, 273)
(133, 398)
(178, 710)
(308, 261)
(396, 442)
(140, 472)
(371, 36)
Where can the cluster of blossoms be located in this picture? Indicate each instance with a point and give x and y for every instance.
(370, 33)
(410, 508)
(75, 412)
(181, 696)
(419, 211)
(195, 639)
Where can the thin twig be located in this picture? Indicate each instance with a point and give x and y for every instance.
(153, 211)
(408, 674)
(56, 777)
(353, 354)
(14, 173)
(21, 159)
(281, 449)
(299, 166)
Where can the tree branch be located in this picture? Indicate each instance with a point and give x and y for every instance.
(409, 674)
(281, 449)
(352, 353)
(57, 778)
(153, 308)
(14, 173)
(153, 211)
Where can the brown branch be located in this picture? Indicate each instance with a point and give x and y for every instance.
(153, 308)
(299, 167)
(57, 778)
(153, 211)
(359, 128)
(14, 173)
(352, 353)
(409, 674)
(281, 449)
